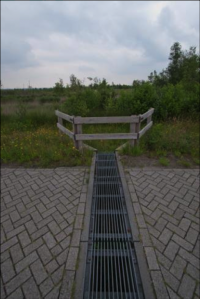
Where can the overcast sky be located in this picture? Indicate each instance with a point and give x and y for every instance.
(43, 41)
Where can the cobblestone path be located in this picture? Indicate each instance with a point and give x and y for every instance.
(42, 215)
(166, 204)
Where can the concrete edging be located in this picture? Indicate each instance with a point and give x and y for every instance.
(80, 272)
(139, 250)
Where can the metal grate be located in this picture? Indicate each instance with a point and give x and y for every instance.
(111, 269)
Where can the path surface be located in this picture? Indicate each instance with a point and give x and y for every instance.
(166, 204)
(42, 218)
(41, 223)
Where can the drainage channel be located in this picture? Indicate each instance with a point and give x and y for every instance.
(111, 267)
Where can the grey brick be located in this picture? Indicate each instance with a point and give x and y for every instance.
(176, 230)
(62, 257)
(57, 216)
(160, 224)
(52, 266)
(16, 253)
(30, 289)
(15, 231)
(24, 239)
(172, 294)
(4, 256)
(81, 209)
(7, 270)
(49, 212)
(30, 225)
(8, 226)
(44, 254)
(178, 267)
(187, 287)
(28, 260)
(58, 274)
(8, 244)
(171, 250)
(49, 239)
(159, 285)
(192, 271)
(68, 230)
(54, 293)
(41, 207)
(17, 281)
(151, 258)
(146, 241)
(36, 216)
(170, 279)
(76, 238)
(66, 288)
(21, 207)
(165, 236)
(39, 233)
(38, 271)
(46, 286)
(56, 250)
(33, 246)
(54, 227)
(163, 260)
(72, 258)
(66, 242)
(60, 236)
(45, 221)
(184, 224)
(14, 216)
(17, 294)
(183, 243)
(192, 236)
(189, 257)
(140, 221)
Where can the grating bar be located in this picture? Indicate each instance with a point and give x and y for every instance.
(111, 270)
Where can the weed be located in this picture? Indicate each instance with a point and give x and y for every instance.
(184, 163)
(164, 161)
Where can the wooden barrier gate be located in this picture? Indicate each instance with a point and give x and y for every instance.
(78, 137)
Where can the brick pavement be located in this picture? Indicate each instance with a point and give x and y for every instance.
(166, 204)
(42, 215)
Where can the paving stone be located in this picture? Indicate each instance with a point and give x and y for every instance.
(16, 253)
(60, 236)
(192, 271)
(7, 270)
(62, 257)
(52, 266)
(24, 239)
(163, 260)
(192, 236)
(8, 244)
(14, 216)
(151, 258)
(33, 246)
(178, 267)
(17, 294)
(171, 280)
(17, 281)
(30, 225)
(38, 271)
(165, 236)
(54, 293)
(66, 242)
(146, 241)
(189, 257)
(28, 260)
(44, 254)
(171, 250)
(66, 288)
(184, 224)
(58, 274)
(187, 287)
(49, 239)
(31, 290)
(72, 258)
(46, 286)
(140, 221)
(182, 242)
(159, 285)
(76, 238)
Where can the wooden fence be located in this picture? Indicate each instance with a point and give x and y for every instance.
(78, 137)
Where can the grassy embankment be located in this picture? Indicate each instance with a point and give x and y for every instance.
(29, 137)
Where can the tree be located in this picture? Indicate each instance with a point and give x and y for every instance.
(59, 87)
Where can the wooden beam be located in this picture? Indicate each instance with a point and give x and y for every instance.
(106, 120)
(89, 147)
(122, 146)
(66, 131)
(147, 127)
(147, 114)
(64, 116)
(106, 136)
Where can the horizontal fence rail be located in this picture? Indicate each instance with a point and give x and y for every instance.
(78, 121)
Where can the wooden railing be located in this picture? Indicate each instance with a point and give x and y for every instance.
(78, 121)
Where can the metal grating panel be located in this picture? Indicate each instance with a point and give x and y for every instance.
(111, 269)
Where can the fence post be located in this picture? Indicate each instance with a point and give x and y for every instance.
(132, 130)
(137, 130)
(60, 121)
(77, 128)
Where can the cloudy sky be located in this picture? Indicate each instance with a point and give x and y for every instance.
(42, 41)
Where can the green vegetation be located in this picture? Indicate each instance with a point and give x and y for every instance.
(28, 123)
